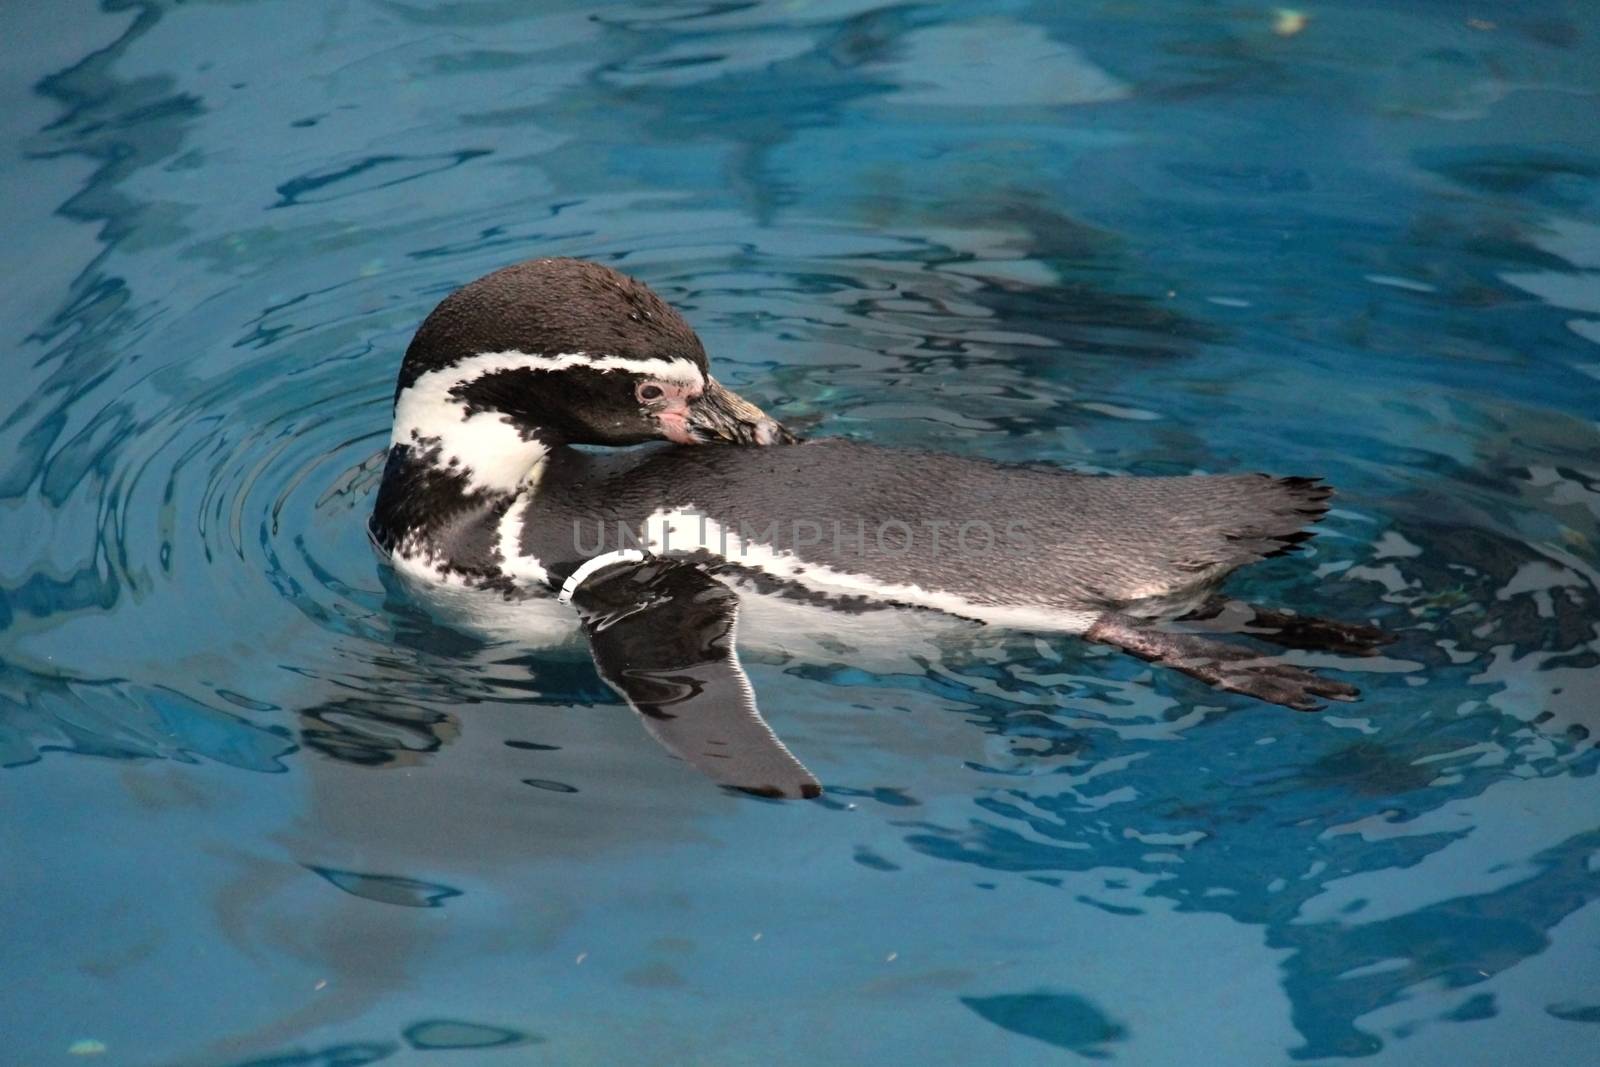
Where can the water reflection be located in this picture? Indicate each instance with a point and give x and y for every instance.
(115, 719)
(1355, 809)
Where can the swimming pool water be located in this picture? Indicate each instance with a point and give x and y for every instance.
(258, 808)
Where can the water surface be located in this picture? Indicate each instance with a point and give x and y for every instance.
(260, 809)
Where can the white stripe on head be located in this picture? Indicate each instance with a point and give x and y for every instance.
(669, 370)
(487, 448)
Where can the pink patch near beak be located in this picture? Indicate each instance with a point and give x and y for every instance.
(675, 428)
(674, 422)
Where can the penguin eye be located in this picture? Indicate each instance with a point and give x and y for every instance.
(649, 392)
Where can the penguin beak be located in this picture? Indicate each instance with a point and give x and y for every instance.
(720, 414)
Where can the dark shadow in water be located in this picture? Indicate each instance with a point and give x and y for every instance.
(1558, 177)
(375, 731)
(429, 1035)
(444, 1034)
(1575, 1013)
(1061, 1019)
(374, 172)
(388, 888)
(354, 1054)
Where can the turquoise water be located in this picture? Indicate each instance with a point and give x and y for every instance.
(257, 808)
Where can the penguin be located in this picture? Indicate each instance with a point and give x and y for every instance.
(562, 457)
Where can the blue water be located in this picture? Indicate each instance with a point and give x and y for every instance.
(255, 807)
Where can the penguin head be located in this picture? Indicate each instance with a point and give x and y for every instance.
(572, 352)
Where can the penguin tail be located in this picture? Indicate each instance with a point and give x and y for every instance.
(1281, 512)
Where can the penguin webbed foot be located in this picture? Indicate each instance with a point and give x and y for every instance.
(1233, 668)
(1287, 630)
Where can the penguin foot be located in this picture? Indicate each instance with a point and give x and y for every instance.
(1287, 630)
(1234, 668)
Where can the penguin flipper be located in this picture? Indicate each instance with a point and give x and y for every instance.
(661, 633)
